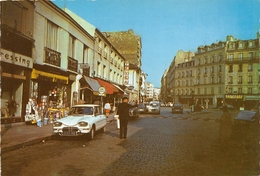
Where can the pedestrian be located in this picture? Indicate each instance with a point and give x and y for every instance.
(123, 113)
(107, 108)
(225, 126)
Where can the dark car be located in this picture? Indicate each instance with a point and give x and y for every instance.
(134, 112)
(143, 107)
(177, 107)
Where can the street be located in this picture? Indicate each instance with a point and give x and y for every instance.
(165, 144)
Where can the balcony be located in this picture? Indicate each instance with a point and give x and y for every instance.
(243, 60)
(72, 64)
(52, 57)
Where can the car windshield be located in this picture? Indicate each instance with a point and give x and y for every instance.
(81, 110)
(154, 104)
(177, 105)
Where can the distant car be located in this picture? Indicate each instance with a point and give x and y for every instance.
(177, 107)
(230, 107)
(83, 119)
(154, 107)
(162, 104)
(143, 107)
(134, 112)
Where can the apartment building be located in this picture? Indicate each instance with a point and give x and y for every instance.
(129, 45)
(223, 72)
(242, 66)
(209, 74)
(107, 66)
(50, 52)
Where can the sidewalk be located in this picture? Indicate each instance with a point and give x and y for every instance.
(17, 135)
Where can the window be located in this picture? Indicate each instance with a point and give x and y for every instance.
(240, 90)
(219, 79)
(71, 49)
(240, 68)
(230, 90)
(240, 56)
(250, 55)
(212, 90)
(52, 36)
(230, 57)
(12, 16)
(240, 45)
(230, 80)
(212, 68)
(258, 78)
(205, 90)
(230, 68)
(250, 80)
(250, 90)
(239, 80)
(219, 68)
(104, 71)
(250, 67)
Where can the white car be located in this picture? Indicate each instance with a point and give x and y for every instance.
(83, 119)
(154, 107)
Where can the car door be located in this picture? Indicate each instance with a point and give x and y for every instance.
(100, 118)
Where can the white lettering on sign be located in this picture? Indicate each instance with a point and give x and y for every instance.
(16, 59)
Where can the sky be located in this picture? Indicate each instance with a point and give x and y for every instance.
(166, 26)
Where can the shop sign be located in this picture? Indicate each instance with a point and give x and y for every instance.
(102, 91)
(16, 59)
(248, 97)
(234, 96)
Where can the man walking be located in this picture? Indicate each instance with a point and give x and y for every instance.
(123, 112)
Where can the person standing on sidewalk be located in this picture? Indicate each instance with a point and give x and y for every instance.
(123, 112)
(107, 108)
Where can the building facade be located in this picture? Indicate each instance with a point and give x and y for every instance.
(17, 58)
(220, 73)
(50, 53)
(129, 45)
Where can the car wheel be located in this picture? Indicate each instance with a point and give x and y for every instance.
(91, 133)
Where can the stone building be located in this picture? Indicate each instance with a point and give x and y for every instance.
(129, 45)
(223, 72)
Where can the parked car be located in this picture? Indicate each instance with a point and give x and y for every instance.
(154, 107)
(230, 107)
(83, 119)
(177, 107)
(143, 107)
(134, 112)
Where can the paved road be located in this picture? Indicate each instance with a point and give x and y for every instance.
(166, 144)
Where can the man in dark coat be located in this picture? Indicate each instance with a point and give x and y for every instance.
(123, 112)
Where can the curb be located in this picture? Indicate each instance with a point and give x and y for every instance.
(24, 144)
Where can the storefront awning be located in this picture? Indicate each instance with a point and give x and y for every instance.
(119, 88)
(37, 74)
(94, 85)
(110, 89)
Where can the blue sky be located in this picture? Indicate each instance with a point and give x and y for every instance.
(166, 26)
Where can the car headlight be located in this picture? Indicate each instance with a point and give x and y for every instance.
(83, 124)
(57, 124)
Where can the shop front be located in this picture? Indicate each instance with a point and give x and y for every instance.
(88, 89)
(49, 96)
(236, 100)
(15, 78)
